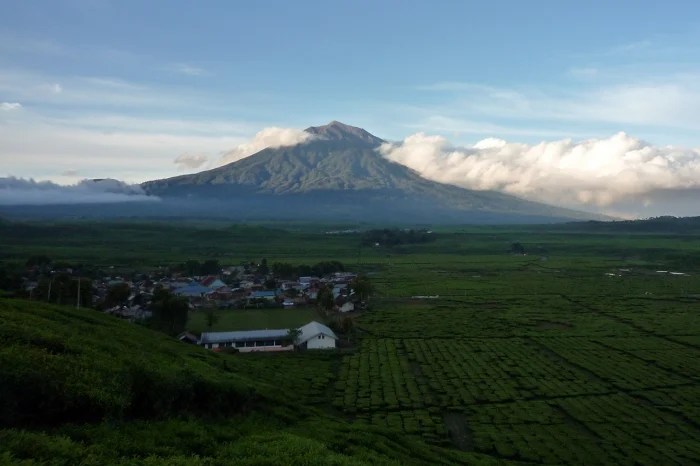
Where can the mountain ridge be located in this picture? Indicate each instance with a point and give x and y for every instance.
(341, 165)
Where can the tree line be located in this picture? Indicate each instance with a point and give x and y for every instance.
(395, 237)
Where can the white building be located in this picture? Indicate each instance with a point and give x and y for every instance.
(313, 336)
(316, 336)
(348, 306)
(248, 341)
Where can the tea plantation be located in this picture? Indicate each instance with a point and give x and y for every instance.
(584, 350)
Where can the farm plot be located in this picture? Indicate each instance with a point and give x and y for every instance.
(498, 316)
(622, 371)
(544, 400)
(660, 352)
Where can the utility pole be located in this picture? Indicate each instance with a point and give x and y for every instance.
(77, 304)
(48, 296)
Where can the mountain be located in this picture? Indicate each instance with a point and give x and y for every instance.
(339, 174)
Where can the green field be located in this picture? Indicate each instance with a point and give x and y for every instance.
(580, 352)
(251, 319)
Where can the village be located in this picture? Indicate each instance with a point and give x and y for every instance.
(325, 286)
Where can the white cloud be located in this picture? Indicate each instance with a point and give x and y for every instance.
(18, 191)
(596, 172)
(94, 91)
(268, 137)
(662, 102)
(631, 47)
(10, 106)
(189, 70)
(190, 161)
(40, 147)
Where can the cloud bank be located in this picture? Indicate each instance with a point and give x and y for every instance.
(595, 172)
(269, 137)
(19, 191)
(10, 106)
(190, 161)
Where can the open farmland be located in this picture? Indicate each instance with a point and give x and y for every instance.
(569, 358)
(585, 350)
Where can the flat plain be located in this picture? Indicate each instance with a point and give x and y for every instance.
(583, 350)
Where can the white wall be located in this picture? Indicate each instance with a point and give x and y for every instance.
(321, 342)
(250, 349)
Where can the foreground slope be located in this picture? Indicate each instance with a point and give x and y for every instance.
(79, 387)
(340, 174)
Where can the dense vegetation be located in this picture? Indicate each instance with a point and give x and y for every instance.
(584, 350)
(394, 237)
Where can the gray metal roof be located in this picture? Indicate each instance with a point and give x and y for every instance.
(313, 329)
(245, 335)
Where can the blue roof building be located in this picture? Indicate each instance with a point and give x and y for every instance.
(248, 340)
(263, 295)
(193, 290)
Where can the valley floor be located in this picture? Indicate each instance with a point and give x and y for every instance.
(586, 350)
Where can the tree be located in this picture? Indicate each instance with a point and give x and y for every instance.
(10, 279)
(262, 268)
(293, 335)
(39, 260)
(270, 284)
(211, 267)
(324, 299)
(192, 268)
(211, 318)
(82, 287)
(169, 312)
(517, 248)
(117, 294)
(283, 270)
(362, 286)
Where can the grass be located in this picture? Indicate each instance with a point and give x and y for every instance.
(577, 353)
(252, 319)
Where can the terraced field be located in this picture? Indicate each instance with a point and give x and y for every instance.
(542, 365)
(584, 351)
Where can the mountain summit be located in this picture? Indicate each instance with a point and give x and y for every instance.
(340, 175)
(337, 131)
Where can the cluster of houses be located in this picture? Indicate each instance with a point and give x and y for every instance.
(252, 291)
(232, 289)
(235, 287)
(313, 335)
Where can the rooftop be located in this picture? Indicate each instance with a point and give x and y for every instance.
(243, 335)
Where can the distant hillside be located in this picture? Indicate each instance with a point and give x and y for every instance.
(339, 174)
(674, 225)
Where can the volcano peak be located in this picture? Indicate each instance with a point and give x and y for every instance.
(337, 131)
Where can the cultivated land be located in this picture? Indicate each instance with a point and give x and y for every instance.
(253, 319)
(579, 352)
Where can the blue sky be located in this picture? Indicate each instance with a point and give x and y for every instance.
(95, 88)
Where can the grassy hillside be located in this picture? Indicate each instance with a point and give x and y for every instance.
(582, 351)
(63, 365)
(79, 387)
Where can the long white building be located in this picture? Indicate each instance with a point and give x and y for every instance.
(313, 335)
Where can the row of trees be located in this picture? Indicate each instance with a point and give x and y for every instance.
(63, 288)
(395, 237)
(195, 268)
(361, 285)
(288, 271)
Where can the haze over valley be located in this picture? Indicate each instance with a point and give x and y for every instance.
(602, 123)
